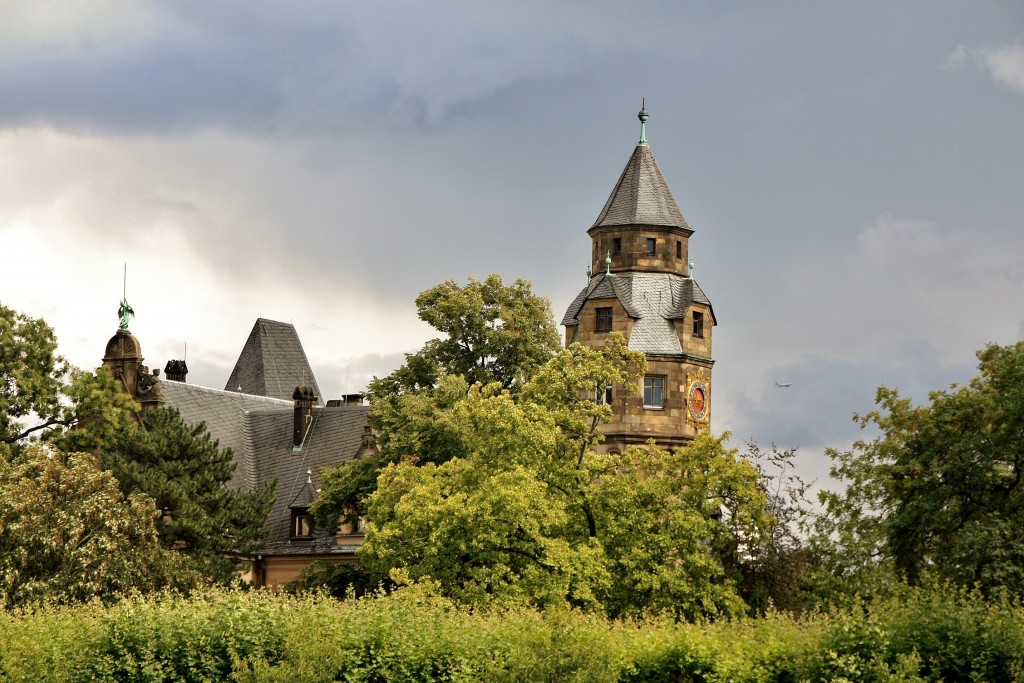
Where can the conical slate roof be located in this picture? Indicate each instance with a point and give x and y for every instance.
(641, 197)
(272, 363)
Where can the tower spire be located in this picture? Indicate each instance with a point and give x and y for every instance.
(643, 116)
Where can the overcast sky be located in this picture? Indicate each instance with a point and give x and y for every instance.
(853, 173)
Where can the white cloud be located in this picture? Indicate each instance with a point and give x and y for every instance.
(203, 261)
(57, 24)
(1004, 64)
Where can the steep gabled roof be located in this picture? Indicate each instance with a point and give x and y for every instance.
(641, 197)
(653, 300)
(272, 362)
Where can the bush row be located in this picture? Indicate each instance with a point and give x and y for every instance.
(410, 636)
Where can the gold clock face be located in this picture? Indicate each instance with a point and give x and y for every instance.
(697, 399)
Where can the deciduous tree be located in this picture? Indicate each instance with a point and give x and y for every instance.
(42, 396)
(68, 535)
(940, 490)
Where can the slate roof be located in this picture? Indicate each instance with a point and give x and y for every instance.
(259, 431)
(641, 197)
(653, 300)
(224, 413)
(272, 362)
(334, 438)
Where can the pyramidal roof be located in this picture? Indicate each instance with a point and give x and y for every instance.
(272, 362)
(641, 197)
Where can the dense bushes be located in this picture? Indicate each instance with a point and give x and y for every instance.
(933, 635)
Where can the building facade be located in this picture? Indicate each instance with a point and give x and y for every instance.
(271, 417)
(641, 285)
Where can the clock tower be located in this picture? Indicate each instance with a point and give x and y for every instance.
(642, 286)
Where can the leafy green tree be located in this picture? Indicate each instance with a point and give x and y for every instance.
(68, 535)
(939, 491)
(185, 472)
(42, 396)
(493, 333)
(525, 512)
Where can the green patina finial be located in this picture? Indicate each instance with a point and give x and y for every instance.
(608, 264)
(126, 313)
(691, 267)
(643, 116)
(590, 273)
(309, 476)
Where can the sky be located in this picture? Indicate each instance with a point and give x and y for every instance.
(853, 172)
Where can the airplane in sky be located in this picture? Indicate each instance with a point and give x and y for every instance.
(784, 385)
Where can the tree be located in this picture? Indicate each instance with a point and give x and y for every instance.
(68, 535)
(776, 571)
(42, 396)
(493, 334)
(185, 472)
(525, 512)
(939, 491)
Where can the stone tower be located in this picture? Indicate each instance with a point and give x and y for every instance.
(643, 288)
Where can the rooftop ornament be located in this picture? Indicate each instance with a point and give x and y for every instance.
(643, 116)
(608, 264)
(124, 311)
(691, 267)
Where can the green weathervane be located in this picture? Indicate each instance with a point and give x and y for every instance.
(124, 311)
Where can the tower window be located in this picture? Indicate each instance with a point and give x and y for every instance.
(604, 397)
(617, 244)
(679, 249)
(698, 324)
(651, 243)
(654, 391)
(603, 319)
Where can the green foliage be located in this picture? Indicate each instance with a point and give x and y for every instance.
(41, 395)
(492, 333)
(341, 580)
(940, 490)
(525, 513)
(67, 534)
(934, 634)
(185, 471)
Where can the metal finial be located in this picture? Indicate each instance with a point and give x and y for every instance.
(643, 116)
(590, 273)
(608, 264)
(309, 476)
(691, 267)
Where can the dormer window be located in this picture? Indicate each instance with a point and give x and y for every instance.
(603, 319)
(302, 524)
(698, 324)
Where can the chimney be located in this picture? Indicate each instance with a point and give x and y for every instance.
(175, 370)
(305, 399)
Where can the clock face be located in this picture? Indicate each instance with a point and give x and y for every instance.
(698, 400)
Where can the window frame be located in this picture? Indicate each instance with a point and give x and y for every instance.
(654, 389)
(652, 245)
(698, 324)
(603, 319)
